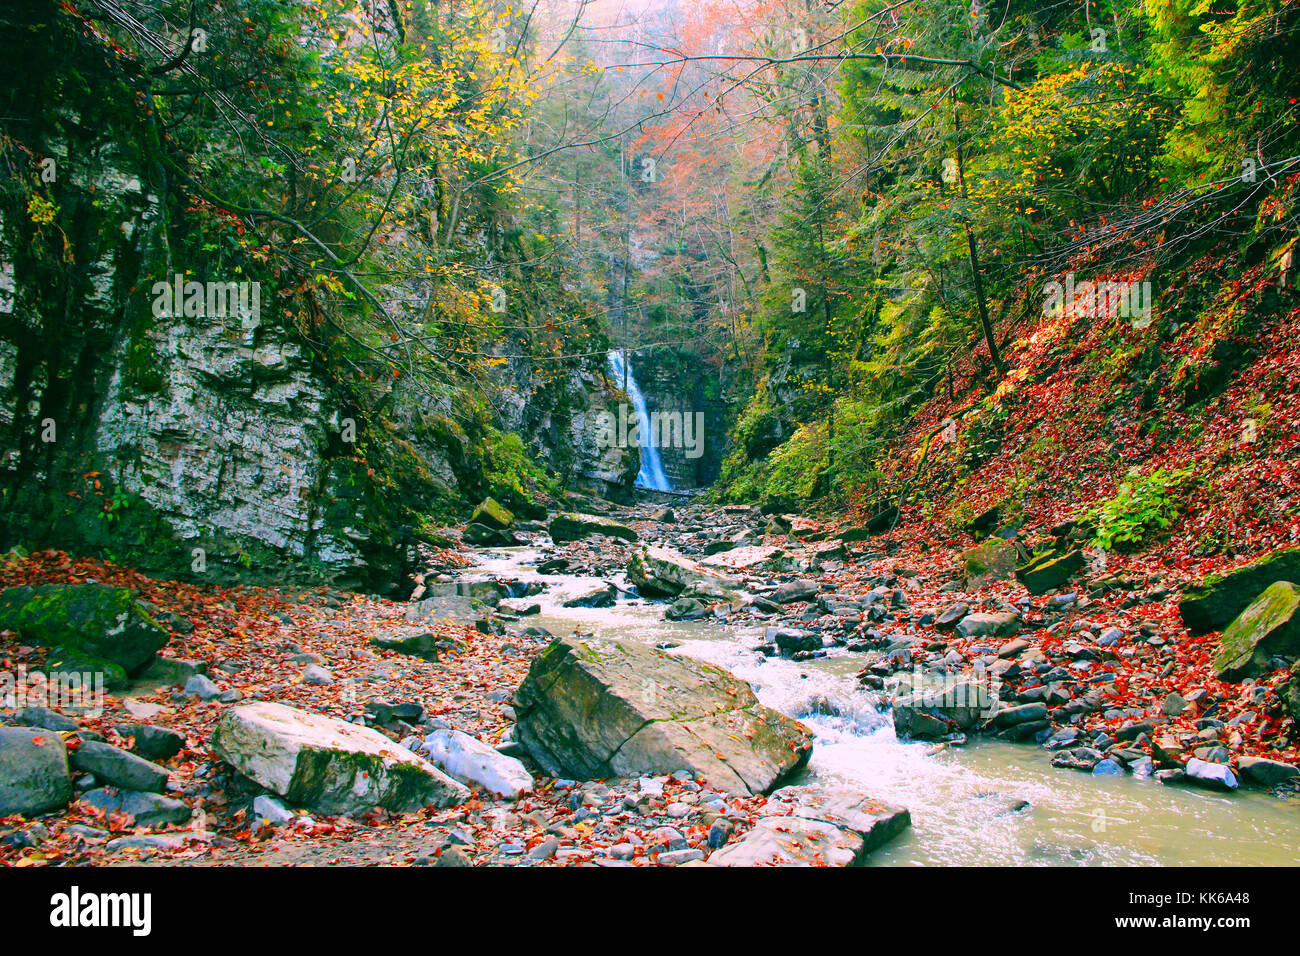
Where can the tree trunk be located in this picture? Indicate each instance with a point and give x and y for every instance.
(985, 323)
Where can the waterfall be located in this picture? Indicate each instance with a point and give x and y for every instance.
(651, 475)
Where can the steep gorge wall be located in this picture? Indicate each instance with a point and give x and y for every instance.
(558, 417)
(143, 438)
(681, 385)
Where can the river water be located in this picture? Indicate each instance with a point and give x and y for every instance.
(965, 802)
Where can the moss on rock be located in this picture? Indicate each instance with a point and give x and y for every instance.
(1269, 627)
(95, 620)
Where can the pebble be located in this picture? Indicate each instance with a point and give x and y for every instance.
(720, 832)
(201, 687)
(544, 850)
(678, 857)
(315, 674)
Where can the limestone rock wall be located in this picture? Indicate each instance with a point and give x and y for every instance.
(200, 445)
(679, 385)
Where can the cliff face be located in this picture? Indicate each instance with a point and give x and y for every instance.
(681, 389)
(204, 445)
(175, 441)
(558, 416)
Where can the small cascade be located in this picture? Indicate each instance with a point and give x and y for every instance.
(652, 475)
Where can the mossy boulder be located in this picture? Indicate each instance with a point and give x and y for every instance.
(70, 666)
(493, 514)
(572, 526)
(329, 765)
(990, 561)
(1049, 571)
(1269, 627)
(90, 620)
(1217, 600)
(593, 709)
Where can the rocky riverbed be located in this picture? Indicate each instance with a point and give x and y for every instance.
(477, 747)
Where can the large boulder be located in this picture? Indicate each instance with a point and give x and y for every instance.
(470, 760)
(329, 765)
(34, 775)
(604, 708)
(935, 708)
(1049, 571)
(811, 826)
(686, 609)
(803, 589)
(116, 767)
(879, 523)
(153, 743)
(1265, 772)
(1291, 694)
(1212, 776)
(1219, 599)
(873, 820)
(1267, 628)
(147, 809)
(985, 521)
(994, 624)
(658, 571)
(70, 666)
(793, 639)
(493, 514)
(486, 590)
(94, 620)
(792, 841)
(739, 559)
(572, 525)
(463, 610)
(602, 595)
(425, 644)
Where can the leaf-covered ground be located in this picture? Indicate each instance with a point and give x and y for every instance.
(257, 641)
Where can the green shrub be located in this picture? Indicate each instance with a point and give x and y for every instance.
(1144, 505)
(510, 474)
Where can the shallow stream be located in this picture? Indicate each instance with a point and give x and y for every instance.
(988, 802)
